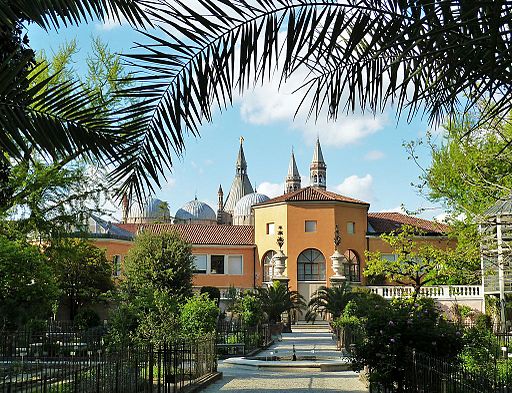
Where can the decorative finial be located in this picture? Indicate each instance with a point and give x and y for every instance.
(280, 238)
(337, 238)
(241, 140)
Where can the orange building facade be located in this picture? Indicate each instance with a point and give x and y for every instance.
(243, 256)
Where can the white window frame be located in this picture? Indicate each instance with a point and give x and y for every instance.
(353, 227)
(269, 226)
(206, 265)
(226, 262)
(306, 226)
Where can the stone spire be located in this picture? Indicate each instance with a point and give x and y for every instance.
(126, 208)
(220, 208)
(241, 185)
(318, 169)
(292, 182)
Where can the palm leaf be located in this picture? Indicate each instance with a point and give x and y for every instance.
(427, 57)
(54, 119)
(57, 13)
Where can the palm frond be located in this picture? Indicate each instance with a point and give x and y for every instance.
(420, 57)
(56, 13)
(54, 119)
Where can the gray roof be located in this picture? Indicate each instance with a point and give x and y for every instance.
(245, 204)
(502, 207)
(317, 154)
(241, 185)
(196, 210)
(111, 229)
(293, 171)
(152, 209)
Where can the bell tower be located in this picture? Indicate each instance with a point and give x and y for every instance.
(318, 169)
(292, 182)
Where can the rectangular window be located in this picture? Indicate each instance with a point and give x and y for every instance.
(270, 228)
(351, 227)
(200, 264)
(116, 265)
(389, 257)
(310, 226)
(217, 264)
(235, 264)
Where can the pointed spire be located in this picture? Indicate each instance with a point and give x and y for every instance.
(292, 182)
(293, 171)
(241, 164)
(220, 192)
(318, 169)
(317, 154)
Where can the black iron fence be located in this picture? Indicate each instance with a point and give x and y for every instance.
(425, 373)
(47, 365)
(235, 338)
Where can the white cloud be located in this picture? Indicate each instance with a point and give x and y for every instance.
(271, 103)
(374, 155)
(397, 209)
(357, 187)
(270, 189)
(110, 24)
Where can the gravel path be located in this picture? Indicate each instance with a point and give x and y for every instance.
(248, 379)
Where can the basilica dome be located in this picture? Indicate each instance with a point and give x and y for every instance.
(243, 208)
(152, 210)
(196, 211)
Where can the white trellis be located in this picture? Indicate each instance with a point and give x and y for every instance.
(496, 251)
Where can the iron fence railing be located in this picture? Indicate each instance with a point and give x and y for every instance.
(92, 367)
(424, 373)
(235, 338)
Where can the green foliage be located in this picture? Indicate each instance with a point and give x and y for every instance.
(82, 270)
(329, 301)
(161, 262)
(199, 316)
(416, 264)
(123, 322)
(27, 286)
(212, 292)
(86, 318)
(394, 329)
(277, 299)
(481, 349)
(157, 317)
(249, 309)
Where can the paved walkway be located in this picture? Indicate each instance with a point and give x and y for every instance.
(307, 342)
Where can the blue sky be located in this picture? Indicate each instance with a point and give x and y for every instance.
(364, 154)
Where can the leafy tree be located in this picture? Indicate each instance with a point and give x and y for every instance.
(199, 316)
(329, 301)
(27, 287)
(277, 299)
(161, 262)
(416, 263)
(249, 308)
(83, 272)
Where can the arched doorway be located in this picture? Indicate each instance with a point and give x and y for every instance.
(267, 264)
(310, 272)
(353, 266)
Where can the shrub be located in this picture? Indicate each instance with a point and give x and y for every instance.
(249, 309)
(394, 329)
(212, 292)
(199, 316)
(86, 318)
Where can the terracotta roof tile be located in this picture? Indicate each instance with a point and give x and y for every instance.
(386, 222)
(312, 194)
(232, 235)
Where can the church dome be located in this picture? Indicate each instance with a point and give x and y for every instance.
(152, 210)
(196, 210)
(244, 205)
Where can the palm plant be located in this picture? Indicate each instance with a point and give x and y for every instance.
(277, 299)
(329, 301)
(421, 56)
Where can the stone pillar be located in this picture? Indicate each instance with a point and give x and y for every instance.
(338, 261)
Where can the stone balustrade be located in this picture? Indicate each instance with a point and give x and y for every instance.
(440, 292)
